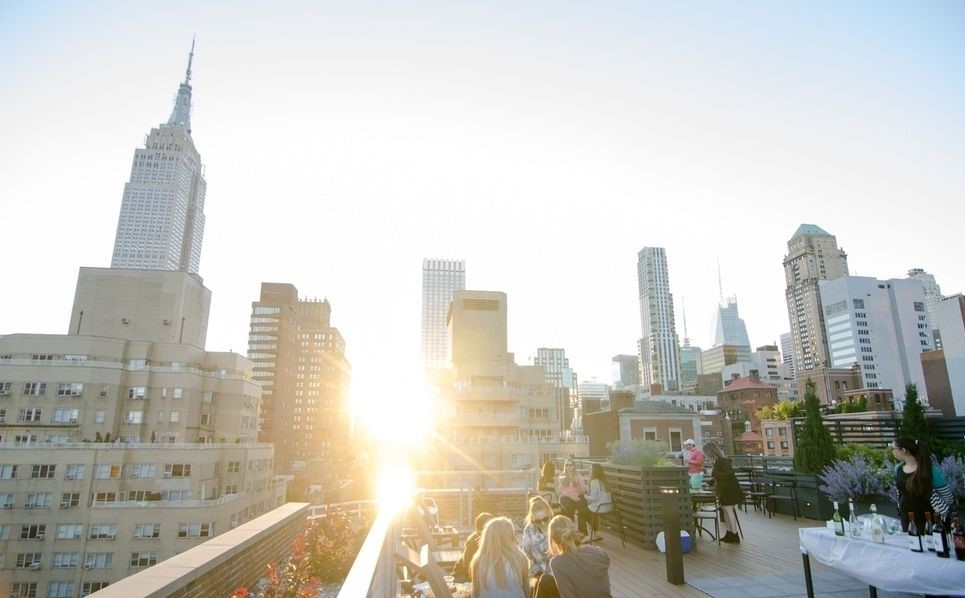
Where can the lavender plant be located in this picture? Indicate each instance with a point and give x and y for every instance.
(954, 471)
(859, 478)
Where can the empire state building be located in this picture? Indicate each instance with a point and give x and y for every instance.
(161, 224)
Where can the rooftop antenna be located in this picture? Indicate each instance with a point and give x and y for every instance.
(187, 75)
(683, 308)
(720, 284)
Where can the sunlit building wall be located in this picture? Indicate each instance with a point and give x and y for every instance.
(564, 380)
(440, 278)
(880, 325)
(299, 360)
(813, 255)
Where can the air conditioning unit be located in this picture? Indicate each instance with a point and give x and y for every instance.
(40, 537)
(88, 566)
(138, 537)
(73, 420)
(65, 505)
(34, 566)
(68, 476)
(234, 524)
(125, 321)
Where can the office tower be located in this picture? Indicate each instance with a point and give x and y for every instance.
(787, 353)
(626, 371)
(730, 328)
(713, 360)
(659, 349)
(495, 418)
(882, 326)
(563, 378)
(299, 359)
(594, 396)
(439, 279)
(933, 295)
(161, 223)
(813, 255)
(951, 321)
(120, 447)
(691, 366)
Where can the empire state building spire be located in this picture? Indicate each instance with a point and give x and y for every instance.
(161, 224)
(181, 115)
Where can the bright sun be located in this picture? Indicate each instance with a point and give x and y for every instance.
(396, 408)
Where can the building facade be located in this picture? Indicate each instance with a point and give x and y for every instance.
(951, 322)
(564, 380)
(880, 325)
(813, 255)
(659, 348)
(625, 370)
(298, 358)
(730, 328)
(933, 296)
(494, 417)
(161, 222)
(440, 278)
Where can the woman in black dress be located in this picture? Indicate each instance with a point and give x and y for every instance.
(729, 493)
(921, 486)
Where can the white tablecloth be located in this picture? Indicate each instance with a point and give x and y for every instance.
(890, 566)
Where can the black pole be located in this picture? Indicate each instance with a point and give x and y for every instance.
(671, 535)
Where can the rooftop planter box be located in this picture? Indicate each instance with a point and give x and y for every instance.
(641, 499)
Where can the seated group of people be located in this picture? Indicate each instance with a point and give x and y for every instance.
(552, 558)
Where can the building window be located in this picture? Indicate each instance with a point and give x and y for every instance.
(99, 560)
(89, 587)
(99, 416)
(107, 471)
(770, 444)
(137, 393)
(194, 530)
(35, 531)
(6, 502)
(234, 466)
(6, 388)
(74, 472)
(65, 416)
(784, 444)
(782, 432)
(69, 500)
(147, 530)
(29, 415)
(103, 531)
(8, 472)
(177, 470)
(43, 472)
(676, 440)
(70, 531)
(134, 417)
(38, 500)
(144, 558)
(60, 589)
(649, 433)
(34, 389)
(70, 389)
(207, 419)
(141, 470)
(64, 560)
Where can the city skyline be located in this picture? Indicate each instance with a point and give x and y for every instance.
(488, 134)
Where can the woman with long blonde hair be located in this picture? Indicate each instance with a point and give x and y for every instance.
(571, 491)
(499, 568)
(580, 570)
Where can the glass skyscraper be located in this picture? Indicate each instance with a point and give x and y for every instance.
(439, 279)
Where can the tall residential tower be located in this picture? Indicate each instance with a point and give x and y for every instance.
(659, 349)
(161, 223)
(813, 255)
(440, 278)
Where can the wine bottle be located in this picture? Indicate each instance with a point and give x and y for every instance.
(853, 521)
(838, 521)
(926, 533)
(914, 540)
(940, 537)
(958, 539)
(877, 526)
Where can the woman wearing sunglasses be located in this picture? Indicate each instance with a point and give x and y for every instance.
(535, 543)
(571, 490)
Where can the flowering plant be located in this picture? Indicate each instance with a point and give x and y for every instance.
(954, 471)
(860, 478)
(639, 453)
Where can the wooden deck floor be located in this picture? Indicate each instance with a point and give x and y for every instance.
(769, 546)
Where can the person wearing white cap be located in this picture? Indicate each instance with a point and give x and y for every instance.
(694, 458)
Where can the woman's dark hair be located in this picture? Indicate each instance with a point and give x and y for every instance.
(919, 482)
(712, 450)
(597, 473)
(548, 472)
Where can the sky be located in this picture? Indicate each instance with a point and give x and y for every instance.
(544, 143)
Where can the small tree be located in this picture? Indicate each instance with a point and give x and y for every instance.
(913, 422)
(814, 449)
(860, 405)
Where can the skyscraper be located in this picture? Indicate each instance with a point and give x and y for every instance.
(439, 279)
(933, 295)
(563, 378)
(298, 357)
(882, 326)
(813, 255)
(161, 224)
(730, 329)
(659, 349)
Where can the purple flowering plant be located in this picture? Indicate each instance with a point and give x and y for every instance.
(860, 478)
(954, 471)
